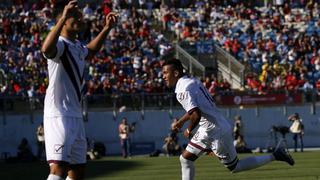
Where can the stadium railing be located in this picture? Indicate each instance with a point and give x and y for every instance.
(230, 67)
(190, 63)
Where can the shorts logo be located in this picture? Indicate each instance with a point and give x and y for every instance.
(58, 148)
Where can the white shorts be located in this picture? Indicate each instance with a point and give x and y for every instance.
(65, 140)
(220, 143)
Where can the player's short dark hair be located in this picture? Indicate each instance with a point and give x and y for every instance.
(176, 64)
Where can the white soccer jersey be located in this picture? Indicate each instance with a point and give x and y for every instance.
(191, 93)
(214, 133)
(63, 94)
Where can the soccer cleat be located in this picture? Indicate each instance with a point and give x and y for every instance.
(280, 154)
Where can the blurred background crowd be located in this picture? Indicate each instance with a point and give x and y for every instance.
(277, 42)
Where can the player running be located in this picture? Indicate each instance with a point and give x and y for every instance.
(214, 132)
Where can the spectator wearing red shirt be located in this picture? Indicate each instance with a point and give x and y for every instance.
(207, 82)
(286, 9)
(6, 24)
(249, 45)
(235, 47)
(42, 89)
(301, 81)
(264, 88)
(291, 81)
(225, 85)
(252, 83)
(106, 7)
(213, 87)
(228, 44)
(186, 32)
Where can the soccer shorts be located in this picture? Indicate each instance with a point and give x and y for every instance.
(220, 143)
(65, 140)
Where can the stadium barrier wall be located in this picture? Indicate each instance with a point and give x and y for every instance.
(154, 126)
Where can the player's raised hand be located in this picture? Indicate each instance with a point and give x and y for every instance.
(67, 11)
(111, 19)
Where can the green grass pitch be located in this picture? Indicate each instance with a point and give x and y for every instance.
(307, 167)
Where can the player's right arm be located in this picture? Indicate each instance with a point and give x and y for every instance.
(49, 48)
(178, 125)
(194, 118)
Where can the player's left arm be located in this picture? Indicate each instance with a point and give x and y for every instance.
(95, 45)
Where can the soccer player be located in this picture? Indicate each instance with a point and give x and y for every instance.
(214, 132)
(63, 123)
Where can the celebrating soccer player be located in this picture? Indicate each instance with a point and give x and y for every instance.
(214, 132)
(63, 124)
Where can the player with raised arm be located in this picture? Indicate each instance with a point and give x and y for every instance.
(214, 132)
(63, 123)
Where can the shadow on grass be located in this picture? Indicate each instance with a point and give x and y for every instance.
(109, 167)
(40, 170)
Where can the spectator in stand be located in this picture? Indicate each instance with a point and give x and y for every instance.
(252, 83)
(214, 87)
(207, 82)
(106, 7)
(225, 86)
(87, 11)
(308, 91)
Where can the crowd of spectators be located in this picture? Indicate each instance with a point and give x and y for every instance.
(278, 43)
(130, 61)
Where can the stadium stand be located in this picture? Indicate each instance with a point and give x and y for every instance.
(278, 44)
(130, 61)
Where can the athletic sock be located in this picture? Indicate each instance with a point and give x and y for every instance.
(54, 177)
(187, 168)
(252, 162)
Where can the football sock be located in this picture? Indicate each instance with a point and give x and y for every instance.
(252, 162)
(54, 177)
(187, 168)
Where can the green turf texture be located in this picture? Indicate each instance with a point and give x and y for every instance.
(307, 167)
